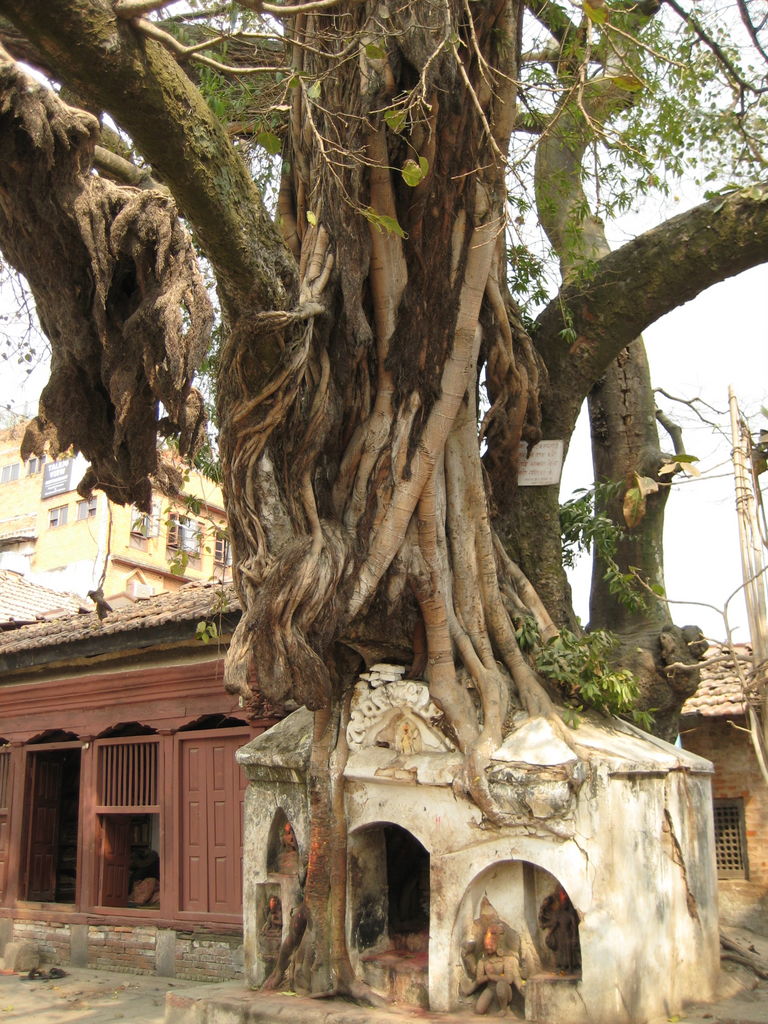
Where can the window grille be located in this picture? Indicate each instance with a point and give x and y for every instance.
(9, 473)
(128, 774)
(5, 775)
(730, 845)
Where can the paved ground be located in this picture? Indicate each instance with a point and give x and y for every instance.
(106, 997)
(86, 997)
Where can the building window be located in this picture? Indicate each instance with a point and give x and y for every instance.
(9, 473)
(730, 841)
(35, 466)
(222, 554)
(146, 525)
(184, 534)
(57, 516)
(129, 822)
(86, 509)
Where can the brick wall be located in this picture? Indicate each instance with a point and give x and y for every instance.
(736, 775)
(122, 948)
(209, 957)
(134, 949)
(52, 940)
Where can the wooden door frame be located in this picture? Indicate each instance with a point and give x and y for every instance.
(247, 733)
(25, 847)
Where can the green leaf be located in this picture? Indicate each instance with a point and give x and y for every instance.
(314, 91)
(312, 218)
(269, 142)
(413, 173)
(375, 52)
(598, 14)
(628, 82)
(658, 590)
(383, 222)
(395, 119)
(684, 462)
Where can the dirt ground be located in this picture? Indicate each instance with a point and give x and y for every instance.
(104, 997)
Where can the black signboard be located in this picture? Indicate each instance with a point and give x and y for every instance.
(57, 478)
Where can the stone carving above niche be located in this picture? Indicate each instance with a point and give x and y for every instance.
(390, 711)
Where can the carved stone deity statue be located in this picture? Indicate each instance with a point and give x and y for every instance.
(492, 961)
(558, 917)
(271, 933)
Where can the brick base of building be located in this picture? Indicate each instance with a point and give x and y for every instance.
(135, 949)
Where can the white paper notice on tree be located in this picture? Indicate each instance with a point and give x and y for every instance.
(543, 466)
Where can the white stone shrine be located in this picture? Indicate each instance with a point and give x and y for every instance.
(624, 826)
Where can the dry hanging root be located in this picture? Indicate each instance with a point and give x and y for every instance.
(117, 289)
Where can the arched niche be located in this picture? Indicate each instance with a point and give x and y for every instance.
(389, 890)
(388, 911)
(282, 846)
(517, 891)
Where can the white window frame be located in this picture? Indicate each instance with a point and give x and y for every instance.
(55, 521)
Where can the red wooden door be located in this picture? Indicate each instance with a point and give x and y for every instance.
(115, 860)
(212, 789)
(47, 774)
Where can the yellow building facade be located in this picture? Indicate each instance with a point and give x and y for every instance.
(52, 536)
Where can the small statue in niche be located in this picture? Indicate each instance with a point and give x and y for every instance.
(271, 933)
(492, 961)
(273, 923)
(407, 736)
(288, 858)
(558, 917)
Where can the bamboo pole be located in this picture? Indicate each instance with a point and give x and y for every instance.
(753, 572)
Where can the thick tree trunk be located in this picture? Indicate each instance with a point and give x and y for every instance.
(367, 513)
(625, 442)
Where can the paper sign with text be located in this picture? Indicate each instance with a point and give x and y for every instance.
(543, 466)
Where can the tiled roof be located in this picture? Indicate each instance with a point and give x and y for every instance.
(194, 601)
(23, 601)
(719, 692)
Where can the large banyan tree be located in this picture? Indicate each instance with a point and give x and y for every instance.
(377, 384)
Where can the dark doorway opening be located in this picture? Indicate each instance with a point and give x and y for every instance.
(54, 781)
(408, 887)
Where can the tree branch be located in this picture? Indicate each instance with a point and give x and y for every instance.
(553, 18)
(148, 94)
(695, 25)
(632, 287)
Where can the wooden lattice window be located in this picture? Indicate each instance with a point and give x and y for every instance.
(128, 774)
(730, 840)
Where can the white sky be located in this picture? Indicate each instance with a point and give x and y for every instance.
(697, 350)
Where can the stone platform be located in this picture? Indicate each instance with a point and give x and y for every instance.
(232, 1003)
